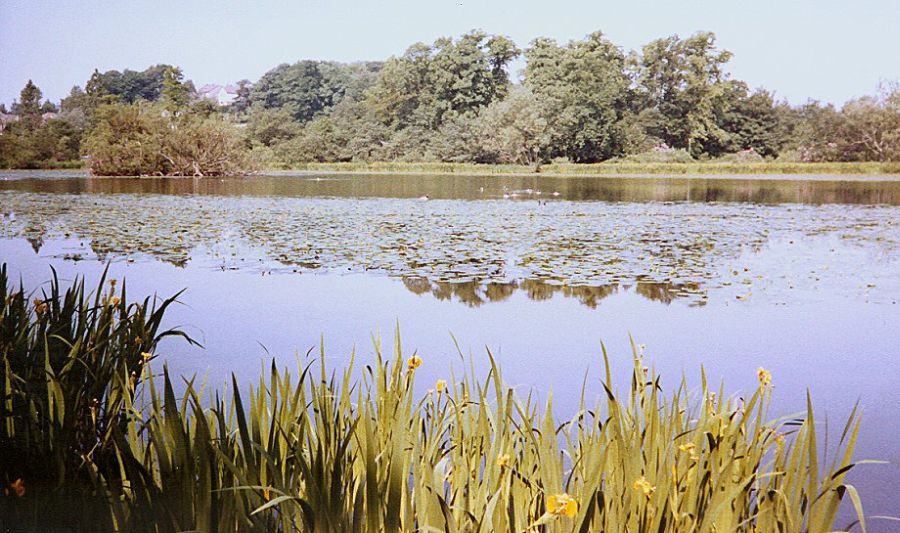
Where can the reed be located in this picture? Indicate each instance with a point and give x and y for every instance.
(618, 167)
(357, 449)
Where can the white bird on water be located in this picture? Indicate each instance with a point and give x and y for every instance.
(423, 197)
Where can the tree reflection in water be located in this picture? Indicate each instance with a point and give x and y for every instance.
(475, 293)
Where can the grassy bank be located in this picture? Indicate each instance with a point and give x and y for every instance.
(74, 164)
(95, 438)
(701, 168)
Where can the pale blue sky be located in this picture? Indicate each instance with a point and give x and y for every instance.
(829, 50)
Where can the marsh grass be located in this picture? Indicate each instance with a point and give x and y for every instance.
(707, 168)
(607, 168)
(357, 449)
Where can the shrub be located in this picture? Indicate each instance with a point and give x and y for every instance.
(133, 140)
(660, 154)
(744, 156)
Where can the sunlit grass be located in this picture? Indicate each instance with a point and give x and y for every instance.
(356, 448)
(618, 168)
(608, 168)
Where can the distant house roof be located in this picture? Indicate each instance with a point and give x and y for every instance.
(6, 119)
(210, 90)
(221, 94)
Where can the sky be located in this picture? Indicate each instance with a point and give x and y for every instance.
(827, 50)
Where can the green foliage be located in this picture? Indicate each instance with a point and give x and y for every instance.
(148, 140)
(432, 83)
(96, 433)
(660, 154)
(32, 141)
(53, 142)
(680, 164)
(175, 92)
(29, 107)
(871, 130)
(585, 101)
(584, 89)
(682, 88)
(70, 363)
(241, 103)
(755, 121)
(130, 86)
(308, 88)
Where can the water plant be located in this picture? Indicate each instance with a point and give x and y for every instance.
(85, 419)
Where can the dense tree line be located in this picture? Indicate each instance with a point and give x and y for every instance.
(587, 100)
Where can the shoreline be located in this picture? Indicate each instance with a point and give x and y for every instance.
(850, 172)
(874, 178)
(617, 169)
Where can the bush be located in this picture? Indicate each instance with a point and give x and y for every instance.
(132, 140)
(744, 156)
(660, 154)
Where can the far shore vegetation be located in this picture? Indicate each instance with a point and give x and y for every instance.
(614, 168)
(94, 430)
(582, 107)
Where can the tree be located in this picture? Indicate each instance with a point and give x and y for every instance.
(272, 126)
(460, 139)
(584, 90)
(682, 88)
(175, 92)
(77, 99)
(241, 103)
(429, 84)
(129, 86)
(468, 74)
(402, 88)
(753, 121)
(871, 128)
(308, 88)
(818, 133)
(516, 129)
(49, 107)
(29, 106)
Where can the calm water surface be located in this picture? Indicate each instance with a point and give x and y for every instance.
(800, 277)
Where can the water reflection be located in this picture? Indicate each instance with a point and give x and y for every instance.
(477, 293)
(814, 190)
(667, 251)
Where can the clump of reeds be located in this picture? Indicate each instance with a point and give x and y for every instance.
(618, 167)
(358, 450)
(69, 365)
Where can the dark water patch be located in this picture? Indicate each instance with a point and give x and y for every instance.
(813, 190)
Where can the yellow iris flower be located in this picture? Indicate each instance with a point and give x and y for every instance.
(562, 505)
(642, 485)
(765, 377)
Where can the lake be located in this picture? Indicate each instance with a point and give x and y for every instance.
(800, 276)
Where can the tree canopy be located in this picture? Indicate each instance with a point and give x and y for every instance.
(455, 99)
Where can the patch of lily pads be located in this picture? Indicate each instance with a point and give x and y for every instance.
(475, 251)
